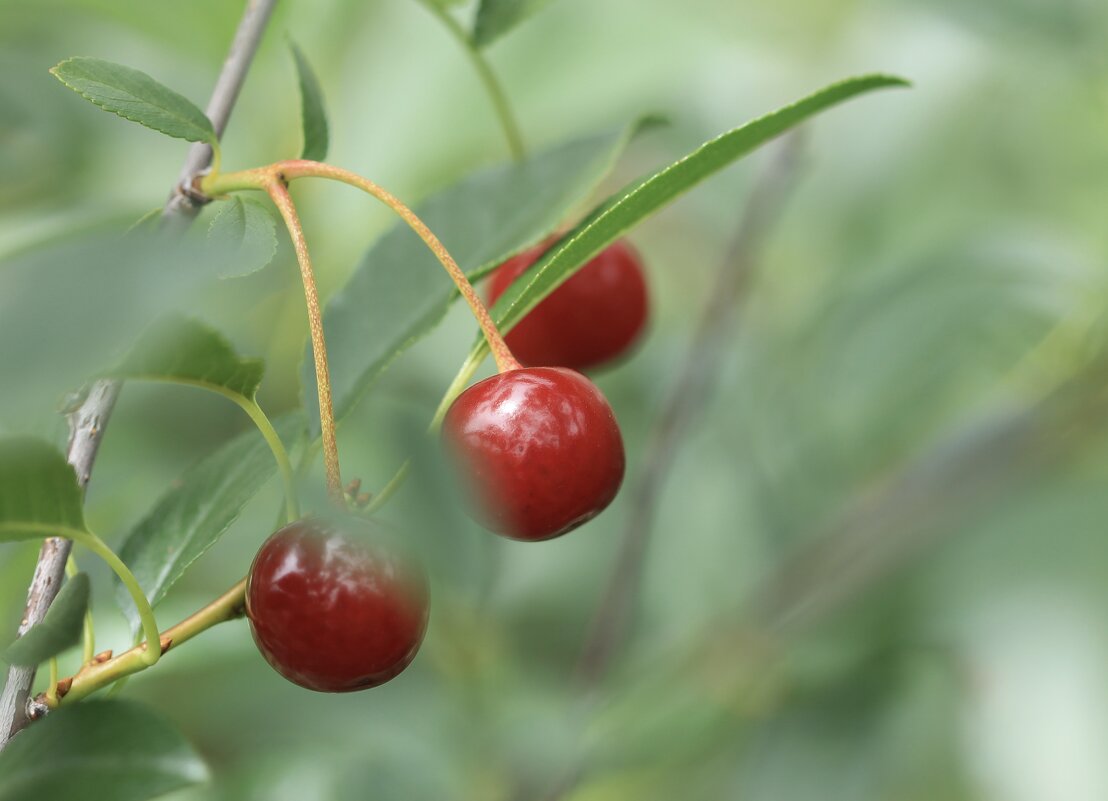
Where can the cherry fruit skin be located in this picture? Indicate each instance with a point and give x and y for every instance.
(592, 318)
(332, 614)
(540, 449)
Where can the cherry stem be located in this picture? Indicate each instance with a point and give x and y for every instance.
(284, 171)
(97, 674)
(279, 193)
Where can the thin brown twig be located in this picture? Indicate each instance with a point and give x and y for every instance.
(687, 397)
(88, 423)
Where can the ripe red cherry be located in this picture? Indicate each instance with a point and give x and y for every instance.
(594, 317)
(331, 614)
(540, 449)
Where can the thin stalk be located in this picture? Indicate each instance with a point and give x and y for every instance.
(265, 428)
(284, 465)
(274, 179)
(90, 678)
(101, 549)
(279, 193)
(461, 380)
(52, 687)
(88, 639)
(151, 649)
(488, 79)
(387, 491)
(313, 169)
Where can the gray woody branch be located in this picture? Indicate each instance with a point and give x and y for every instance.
(687, 397)
(88, 423)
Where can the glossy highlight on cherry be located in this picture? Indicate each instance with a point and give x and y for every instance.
(592, 319)
(333, 614)
(539, 448)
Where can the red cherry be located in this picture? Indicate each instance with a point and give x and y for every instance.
(331, 614)
(594, 317)
(540, 448)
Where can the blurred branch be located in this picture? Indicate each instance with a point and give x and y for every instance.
(735, 671)
(894, 523)
(89, 421)
(687, 398)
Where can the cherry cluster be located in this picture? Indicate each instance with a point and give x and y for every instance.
(537, 447)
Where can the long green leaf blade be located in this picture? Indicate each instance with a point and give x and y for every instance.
(313, 114)
(399, 292)
(98, 751)
(135, 96)
(59, 630)
(642, 198)
(181, 350)
(38, 490)
(196, 512)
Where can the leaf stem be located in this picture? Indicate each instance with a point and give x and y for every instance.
(151, 651)
(488, 78)
(258, 416)
(52, 687)
(90, 678)
(88, 649)
(279, 193)
(461, 380)
(284, 465)
(101, 549)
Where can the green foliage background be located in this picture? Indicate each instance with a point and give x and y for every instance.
(934, 238)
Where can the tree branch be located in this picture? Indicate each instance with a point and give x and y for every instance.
(88, 423)
(687, 397)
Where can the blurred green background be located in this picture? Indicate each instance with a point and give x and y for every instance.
(934, 238)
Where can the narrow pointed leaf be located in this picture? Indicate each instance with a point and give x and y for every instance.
(242, 237)
(135, 96)
(181, 350)
(313, 115)
(98, 751)
(38, 491)
(196, 512)
(59, 630)
(400, 292)
(634, 203)
(496, 17)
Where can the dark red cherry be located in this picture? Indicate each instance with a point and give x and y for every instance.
(593, 318)
(540, 449)
(333, 614)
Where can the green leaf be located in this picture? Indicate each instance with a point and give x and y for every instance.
(642, 198)
(38, 491)
(135, 96)
(60, 628)
(400, 292)
(184, 351)
(496, 17)
(242, 237)
(98, 751)
(192, 516)
(313, 116)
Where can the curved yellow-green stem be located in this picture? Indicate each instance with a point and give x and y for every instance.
(264, 426)
(88, 639)
(153, 650)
